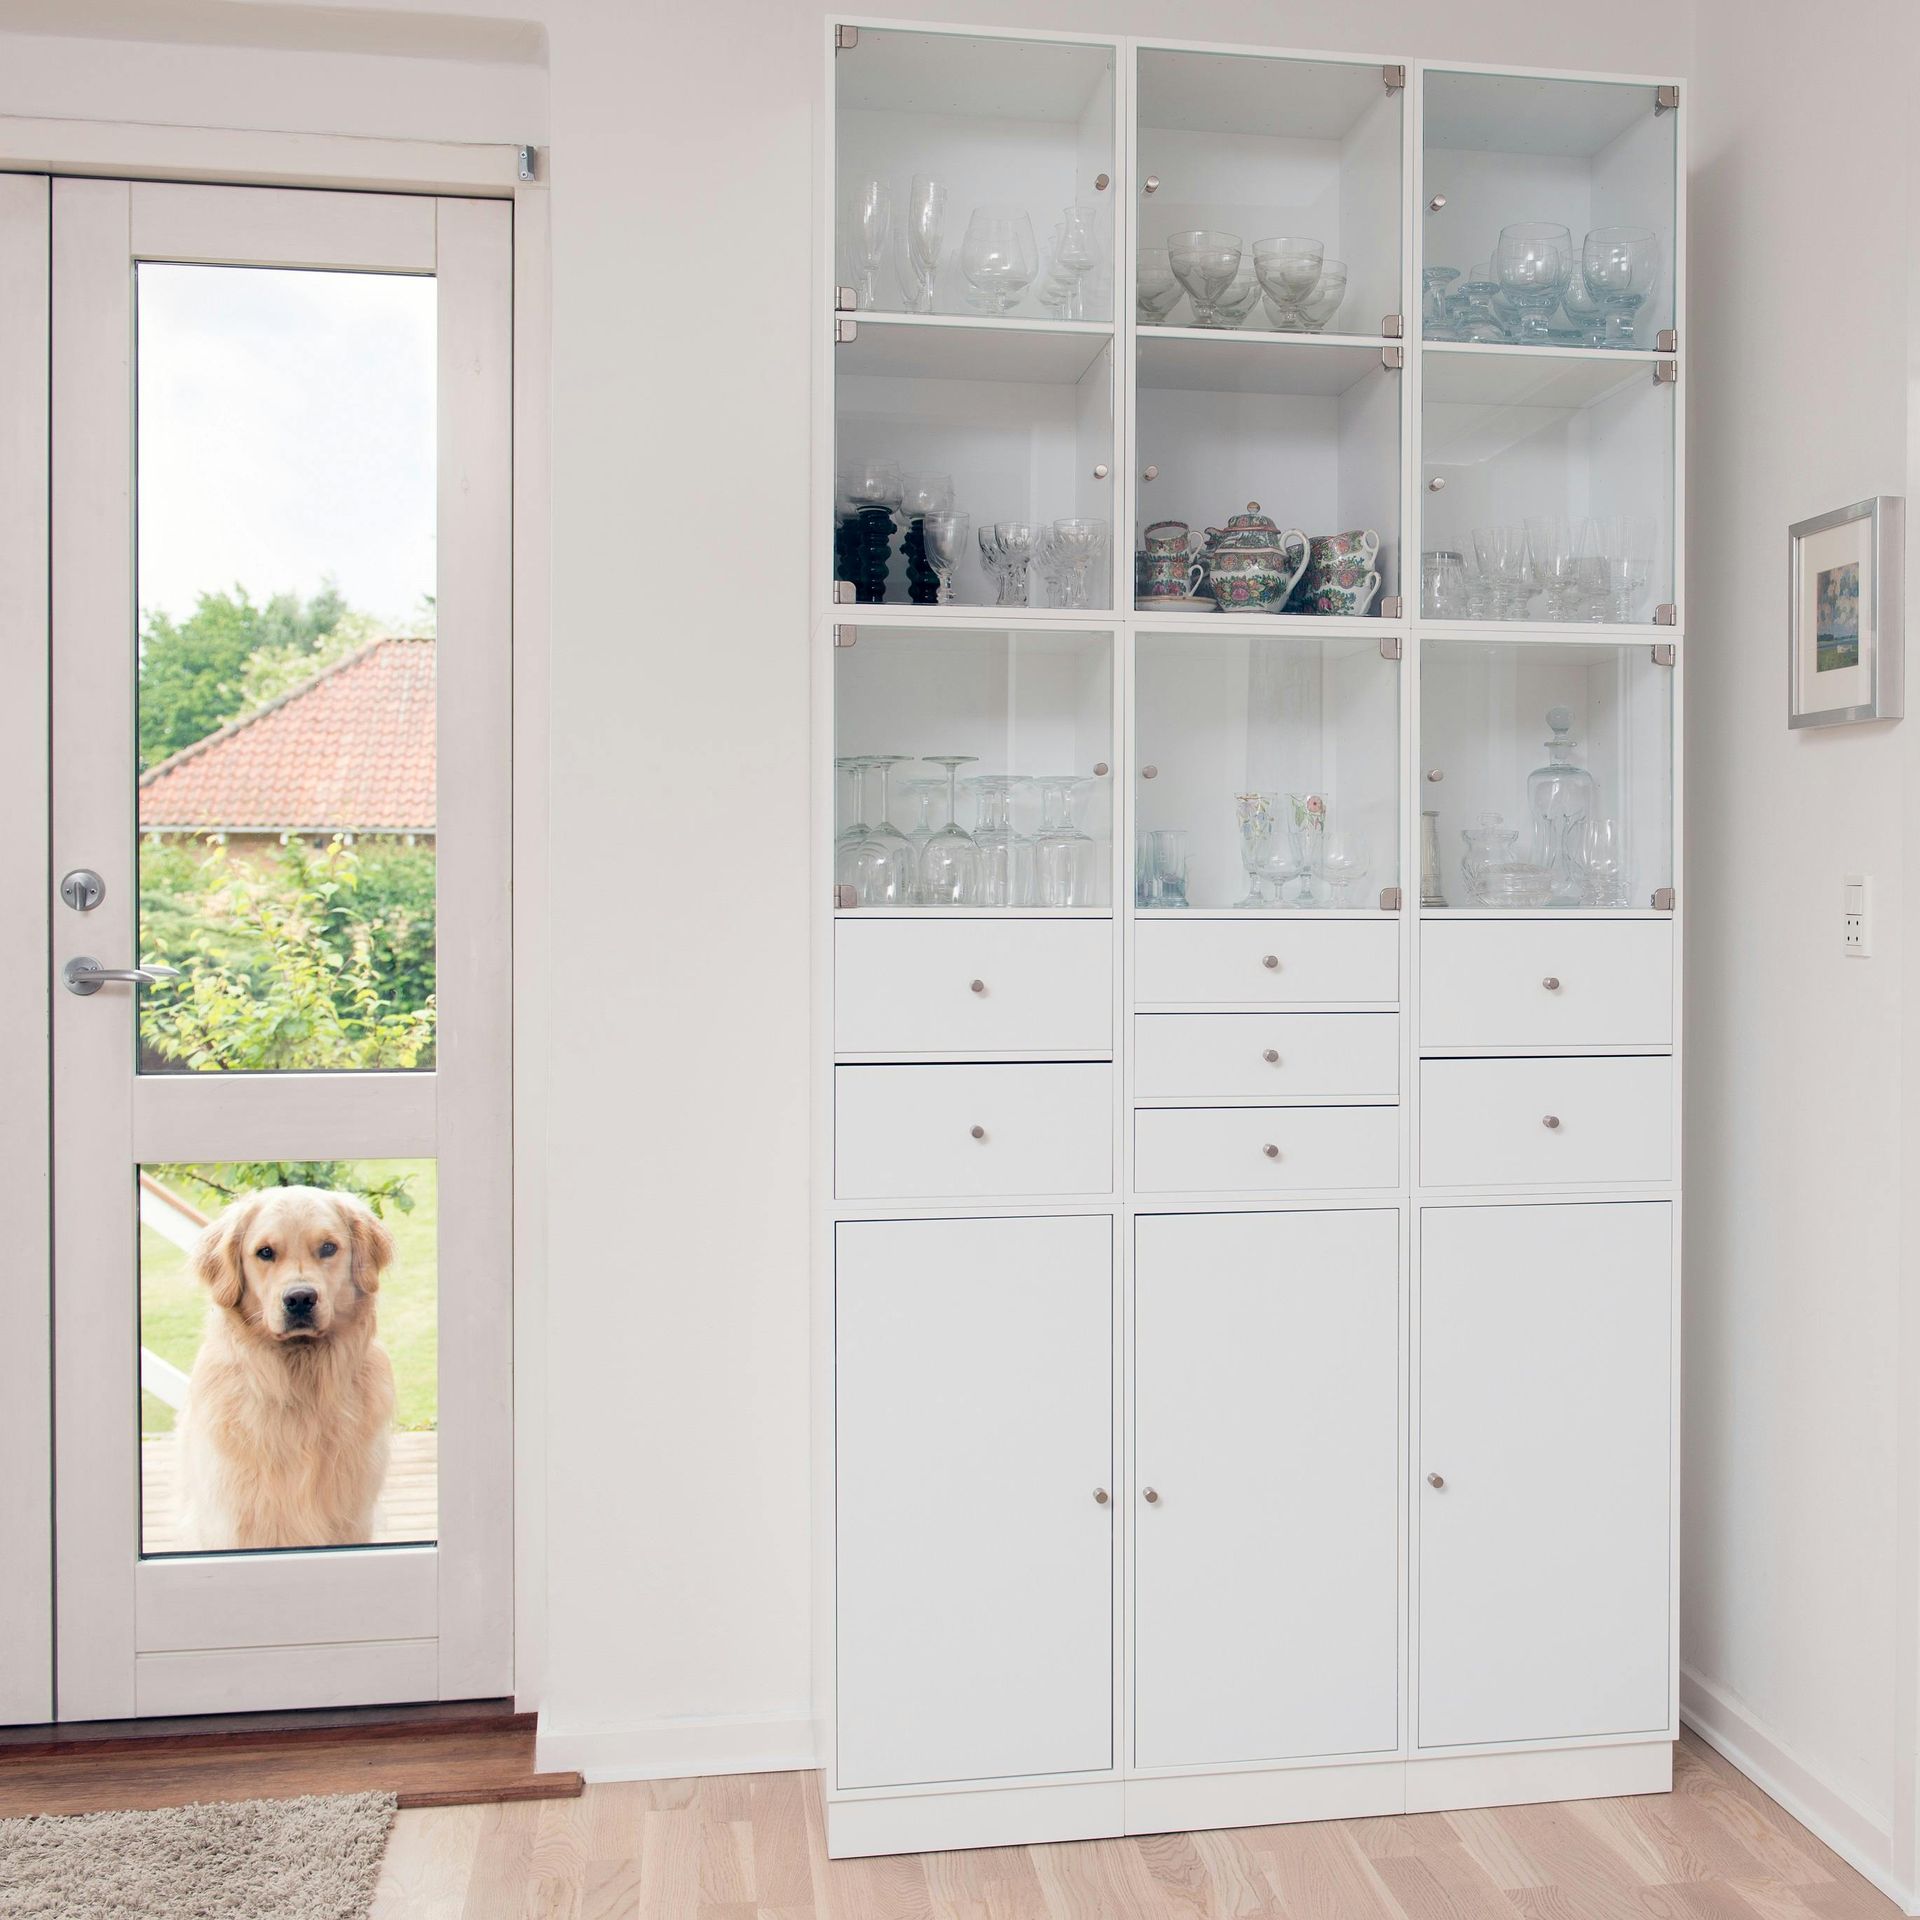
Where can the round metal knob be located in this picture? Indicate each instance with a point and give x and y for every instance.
(979, 1133)
(1438, 201)
(1100, 184)
(1100, 769)
(1271, 1151)
(1271, 961)
(976, 986)
(1100, 471)
(1551, 1121)
(1152, 183)
(1438, 484)
(1101, 1496)
(1149, 773)
(1271, 1056)
(1436, 1480)
(1551, 983)
(1149, 1495)
(1436, 774)
(1152, 473)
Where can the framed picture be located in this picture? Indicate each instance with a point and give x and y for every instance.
(1846, 618)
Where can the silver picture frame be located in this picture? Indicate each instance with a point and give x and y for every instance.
(1856, 630)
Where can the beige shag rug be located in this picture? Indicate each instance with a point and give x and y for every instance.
(311, 1859)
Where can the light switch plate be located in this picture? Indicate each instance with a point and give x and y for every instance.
(1856, 915)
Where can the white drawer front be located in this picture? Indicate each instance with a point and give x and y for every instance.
(1485, 983)
(1546, 1123)
(907, 1133)
(1225, 1149)
(1182, 962)
(907, 986)
(1225, 1056)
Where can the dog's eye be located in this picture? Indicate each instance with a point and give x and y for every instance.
(263, 1253)
(327, 1249)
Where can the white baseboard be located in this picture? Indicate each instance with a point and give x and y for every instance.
(1855, 1835)
(680, 1749)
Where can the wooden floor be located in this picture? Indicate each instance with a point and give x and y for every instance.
(748, 1847)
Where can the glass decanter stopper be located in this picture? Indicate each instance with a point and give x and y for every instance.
(1561, 797)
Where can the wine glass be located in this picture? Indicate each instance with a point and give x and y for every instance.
(1289, 270)
(1619, 264)
(1435, 322)
(869, 219)
(1007, 863)
(850, 800)
(1307, 827)
(1346, 858)
(1068, 860)
(919, 804)
(1081, 544)
(1533, 260)
(1585, 315)
(1013, 543)
(1236, 303)
(1471, 306)
(1503, 557)
(1626, 547)
(1323, 302)
(1205, 264)
(1553, 548)
(1254, 815)
(949, 859)
(925, 493)
(878, 863)
(946, 538)
(1156, 291)
(999, 256)
(922, 242)
(1076, 252)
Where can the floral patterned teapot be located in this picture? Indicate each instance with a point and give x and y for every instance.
(1252, 565)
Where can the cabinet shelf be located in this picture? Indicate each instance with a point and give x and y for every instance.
(1458, 374)
(1202, 360)
(939, 346)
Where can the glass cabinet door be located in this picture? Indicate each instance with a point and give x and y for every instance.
(973, 769)
(1547, 774)
(1282, 174)
(1549, 211)
(974, 175)
(1266, 772)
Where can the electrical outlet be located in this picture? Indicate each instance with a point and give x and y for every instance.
(1856, 915)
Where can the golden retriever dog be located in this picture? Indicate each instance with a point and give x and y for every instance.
(289, 1410)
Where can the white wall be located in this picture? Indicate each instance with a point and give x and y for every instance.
(1798, 1134)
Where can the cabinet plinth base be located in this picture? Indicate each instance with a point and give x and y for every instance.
(1102, 1809)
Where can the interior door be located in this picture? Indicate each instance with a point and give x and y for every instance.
(973, 1427)
(1544, 1470)
(281, 537)
(1266, 1465)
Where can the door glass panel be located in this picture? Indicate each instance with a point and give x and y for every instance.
(289, 1366)
(286, 505)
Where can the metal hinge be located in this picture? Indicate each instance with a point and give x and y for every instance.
(1667, 340)
(1666, 373)
(1395, 78)
(1392, 607)
(845, 39)
(1389, 899)
(846, 636)
(1666, 99)
(1393, 358)
(1666, 614)
(845, 331)
(529, 161)
(1665, 654)
(843, 592)
(1393, 326)
(1391, 645)
(845, 299)
(1663, 901)
(844, 895)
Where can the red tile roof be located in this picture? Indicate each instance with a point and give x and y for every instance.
(349, 751)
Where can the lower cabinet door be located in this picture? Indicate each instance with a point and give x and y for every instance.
(1544, 1472)
(973, 1433)
(1266, 1468)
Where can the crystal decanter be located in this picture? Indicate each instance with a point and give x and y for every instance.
(1561, 798)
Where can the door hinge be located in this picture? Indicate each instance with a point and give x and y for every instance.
(1393, 326)
(843, 592)
(845, 299)
(844, 895)
(1392, 647)
(1666, 373)
(845, 636)
(1393, 358)
(1389, 899)
(1666, 654)
(845, 39)
(1394, 78)
(529, 162)
(1392, 607)
(845, 332)
(1667, 340)
(1666, 99)
(1666, 614)
(1663, 900)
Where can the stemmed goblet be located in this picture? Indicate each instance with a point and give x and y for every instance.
(1013, 549)
(999, 256)
(869, 219)
(1156, 291)
(1236, 303)
(949, 859)
(1205, 263)
(878, 865)
(1533, 261)
(1435, 321)
(946, 538)
(1289, 270)
(1626, 548)
(1081, 544)
(1619, 264)
(1324, 301)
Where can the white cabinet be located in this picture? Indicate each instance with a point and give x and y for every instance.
(1543, 1472)
(1190, 961)
(1264, 1149)
(1546, 983)
(1266, 1468)
(1266, 1056)
(973, 1411)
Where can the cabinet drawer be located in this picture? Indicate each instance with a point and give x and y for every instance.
(1485, 983)
(906, 986)
(1223, 1056)
(1182, 962)
(906, 1133)
(1546, 1123)
(1226, 1149)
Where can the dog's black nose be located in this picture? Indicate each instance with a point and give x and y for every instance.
(300, 1302)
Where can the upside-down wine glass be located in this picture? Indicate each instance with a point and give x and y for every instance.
(949, 860)
(879, 865)
(1007, 864)
(1068, 860)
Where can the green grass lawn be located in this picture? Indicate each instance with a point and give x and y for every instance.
(173, 1303)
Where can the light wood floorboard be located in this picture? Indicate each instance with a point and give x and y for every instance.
(751, 1847)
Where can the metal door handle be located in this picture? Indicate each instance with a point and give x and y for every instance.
(84, 975)
(1100, 1495)
(1436, 1480)
(1150, 1497)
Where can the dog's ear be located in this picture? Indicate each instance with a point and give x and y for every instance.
(372, 1243)
(216, 1254)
